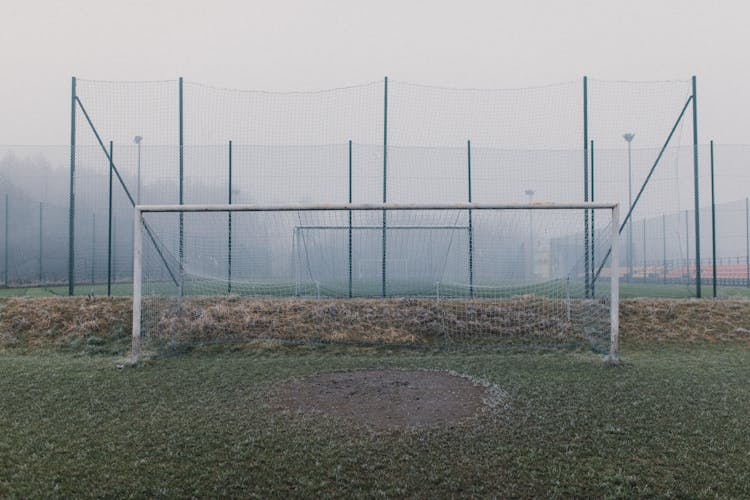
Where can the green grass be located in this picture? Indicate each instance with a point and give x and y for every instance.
(100, 290)
(671, 422)
(627, 290)
(649, 290)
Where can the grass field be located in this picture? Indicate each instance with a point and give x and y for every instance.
(670, 422)
(627, 290)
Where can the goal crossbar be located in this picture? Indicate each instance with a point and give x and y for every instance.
(390, 228)
(139, 227)
(373, 206)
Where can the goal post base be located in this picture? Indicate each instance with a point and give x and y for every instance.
(613, 360)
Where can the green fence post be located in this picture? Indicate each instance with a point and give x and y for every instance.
(114, 248)
(695, 184)
(229, 226)
(713, 223)
(350, 219)
(181, 218)
(471, 226)
(71, 193)
(645, 270)
(5, 250)
(687, 244)
(385, 181)
(593, 246)
(586, 182)
(629, 139)
(109, 227)
(93, 245)
(664, 247)
(41, 246)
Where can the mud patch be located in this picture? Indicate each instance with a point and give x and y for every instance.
(388, 399)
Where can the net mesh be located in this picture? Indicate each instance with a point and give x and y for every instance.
(431, 277)
(293, 147)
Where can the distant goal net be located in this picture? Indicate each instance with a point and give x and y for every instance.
(429, 274)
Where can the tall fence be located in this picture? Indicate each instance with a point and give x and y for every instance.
(381, 141)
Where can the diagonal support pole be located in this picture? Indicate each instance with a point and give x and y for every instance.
(648, 178)
(116, 171)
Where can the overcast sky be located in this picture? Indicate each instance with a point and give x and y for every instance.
(308, 45)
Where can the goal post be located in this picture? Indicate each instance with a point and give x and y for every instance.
(526, 282)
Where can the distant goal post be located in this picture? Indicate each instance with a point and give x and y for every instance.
(432, 218)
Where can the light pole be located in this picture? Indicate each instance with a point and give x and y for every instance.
(530, 194)
(137, 139)
(629, 138)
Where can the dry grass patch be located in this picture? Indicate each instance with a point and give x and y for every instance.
(65, 322)
(375, 321)
(55, 321)
(684, 320)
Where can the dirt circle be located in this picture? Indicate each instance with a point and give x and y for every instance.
(385, 399)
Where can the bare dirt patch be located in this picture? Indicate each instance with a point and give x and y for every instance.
(387, 399)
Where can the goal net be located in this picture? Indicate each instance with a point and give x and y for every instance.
(408, 273)
(432, 275)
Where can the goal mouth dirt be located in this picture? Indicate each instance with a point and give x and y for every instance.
(385, 399)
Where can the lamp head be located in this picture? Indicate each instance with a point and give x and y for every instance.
(137, 139)
(628, 137)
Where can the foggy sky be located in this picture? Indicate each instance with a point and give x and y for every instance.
(306, 45)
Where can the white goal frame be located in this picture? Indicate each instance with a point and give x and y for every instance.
(139, 227)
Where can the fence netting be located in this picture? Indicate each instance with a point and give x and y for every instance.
(368, 143)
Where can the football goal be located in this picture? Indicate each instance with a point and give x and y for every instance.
(542, 274)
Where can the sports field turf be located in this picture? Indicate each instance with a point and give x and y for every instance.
(627, 290)
(671, 422)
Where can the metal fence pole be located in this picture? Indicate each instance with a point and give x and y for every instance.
(5, 250)
(350, 219)
(629, 138)
(114, 248)
(109, 227)
(41, 245)
(593, 247)
(713, 223)
(695, 191)
(385, 181)
(93, 245)
(471, 227)
(664, 247)
(687, 245)
(586, 182)
(747, 241)
(71, 193)
(181, 215)
(229, 225)
(645, 270)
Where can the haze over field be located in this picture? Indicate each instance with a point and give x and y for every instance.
(294, 45)
(444, 61)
